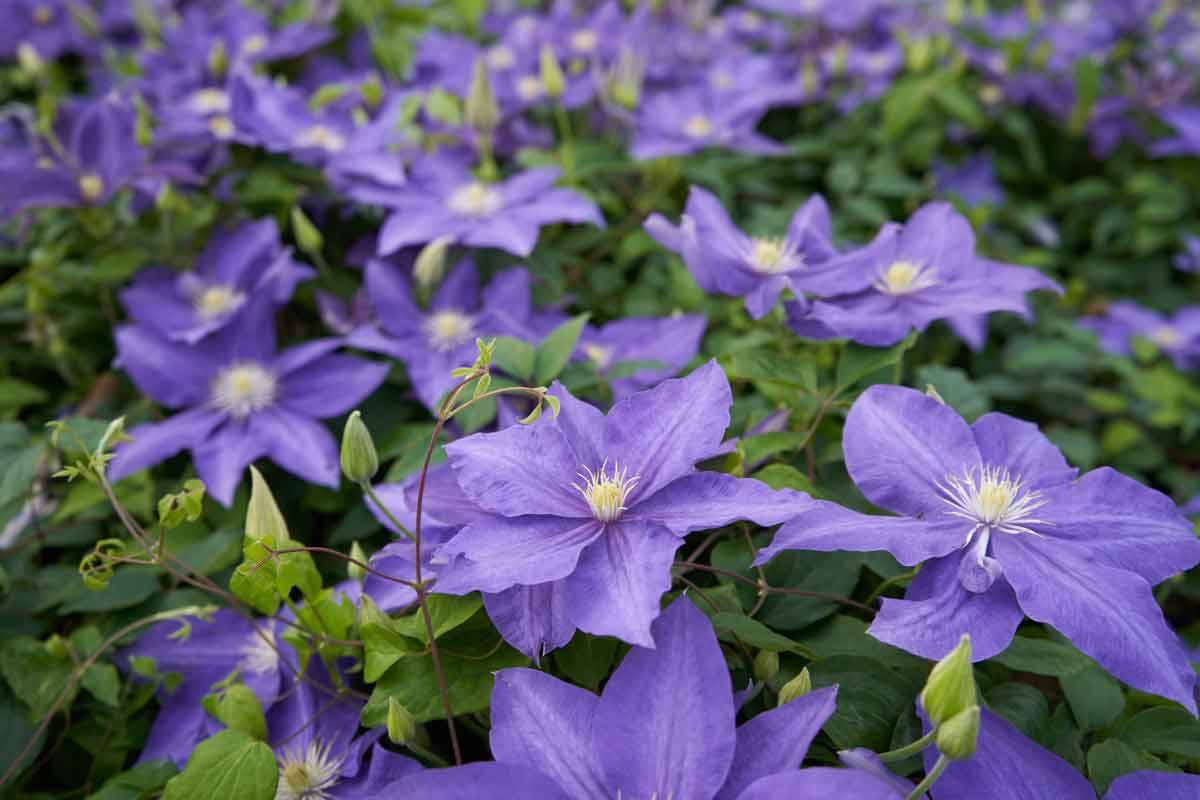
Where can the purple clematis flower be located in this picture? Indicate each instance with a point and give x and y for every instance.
(242, 400)
(1189, 259)
(1006, 529)
(1186, 122)
(443, 198)
(1178, 337)
(669, 342)
(435, 340)
(912, 275)
(312, 729)
(990, 772)
(585, 511)
(723, 259)
(204, 652)
(683, 121)
(48, 27)
(973, 181)
(99, 156)
(663, 727)
(249, 260)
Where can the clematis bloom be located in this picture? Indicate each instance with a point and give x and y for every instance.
(1007, 529)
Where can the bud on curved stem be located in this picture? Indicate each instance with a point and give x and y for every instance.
(950, 689)
(796, 687)
(359, 460)
(957, 736)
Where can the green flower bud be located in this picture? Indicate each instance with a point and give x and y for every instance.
(401, 727)
(766, 665)
(551, 73)
(307, 235)
(372, 90)
(360, 462)
(956, 737)
(218, 59)
(480, 110)
(264, 520)
(28, 59)
(431, 263)
(796, 687)
(950, 689)
(57, 646)
(356, 572)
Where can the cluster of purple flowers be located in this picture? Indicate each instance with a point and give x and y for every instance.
(573, 523)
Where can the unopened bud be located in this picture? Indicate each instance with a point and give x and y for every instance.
(218, 59)
(766, 665)
(28, 59)
(796, 687)
(431, 263)
(931, 391)
(480, 110)
(360, 462)
(957, 736)
(263, 517)
(950, 689)
(372, 90)
(401, 727)
(551, 73)
(353, 569)
(307, 235)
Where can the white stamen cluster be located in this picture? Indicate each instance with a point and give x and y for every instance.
(308, 774)
(216, 301)
(584, 41)
(500, 57)
(209, 101)
(323, 137)
(599, 355)
(259, 655)
(993, 499)
(1165, 336)
(475, 200)
(606, 491)
(773, 255)
(449, 328)
(242, 389)
(905, 277)
(698, 126)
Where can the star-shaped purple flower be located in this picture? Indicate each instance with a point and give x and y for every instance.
(237, 264)
(443, 198)
(1177, 336)
(912, 275)
(664, 726)
(667, 341)
(722, 259)
(242, 400)
(1006, 529)
(678, 122)
(585, 511)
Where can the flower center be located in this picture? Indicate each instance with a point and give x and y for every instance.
(529, 87)
(774, 255)
(1165, 336)
(221, 126)
(209, 101)
(254, 44)
(698, 126)
(475, 200)
(500, 57)
(906, 277)
(598, 355)
(258, 655)
(91, 186)
(584, 41)
(308, 774)
(448, 329)
(323, 137)
(606, 491)
(216, 301)
(993, 499)
(42, 15)
(242, 389)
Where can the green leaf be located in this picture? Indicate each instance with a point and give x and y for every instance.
(871, 700)
(137, 783)
(904, 103)
(1021, 704)
(586, 659)
(1111, 759)
(18, 462)
(383, 644)
(954, 387)
(254, 579)
(858, 362)
(556, 349)
(1165, 729)
(765, 365)
(1043, 657)
(781, 476)
(752, 632)
(230, 764)
(446, 612)
(16, 730)
(1095, 697)
(515, 357)
(238, 708)
(36, 676)
(470, 657)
